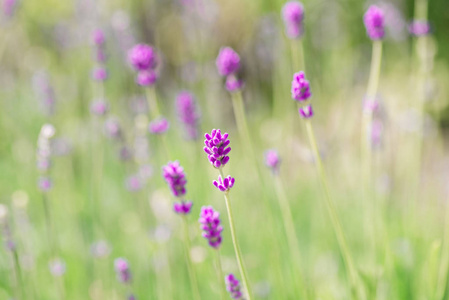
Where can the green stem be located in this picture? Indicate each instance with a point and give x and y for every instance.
(153, 106)
(350, 268)
(297, 50)
(220, 275)
(193, 281)
(18, 272)
(237, 251)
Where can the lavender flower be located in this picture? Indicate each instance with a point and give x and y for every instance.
(233, 287)
(228, 61)
(225, 184)
(99, 107)
(306, 111)
(233, 84)
(142, 57)
(293, 16)
(9, 7)
(272, 160)
(146, 78)
(187, 112)
(374, 22)
(100, 249)
(133, 183)
(5, 229)
(45, 184)
(122, 270)
(159, 126)
(44, 92)
(112, 128)
(100, 74)
(175, 178)
(57, 267)
(217, 148)
(419, 28)
(210, 224)
(300, 87)
(98, 37)
(183, 207)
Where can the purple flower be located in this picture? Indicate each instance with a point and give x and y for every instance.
(306, 111)
(142, 57)
(210, 224)
(374, 22)
(187, 112)
(233, 84)
(98, 37)
(159, 126)
(228, 61)
(419, 28)
(133, 183)
(99, 74)
(100, 249)
(217, 148)
(112, 128)
(175, 178)
(45, 184)
(272, 160)
(146, 77)
(293, 16)
(9, 6)
(300, 87)
(233, 287)
(225, 184)
(122, 270)
(57, 267)
(183, 207)
(99, 107)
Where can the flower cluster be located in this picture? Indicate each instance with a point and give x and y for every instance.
(174, 176)
(210, 224)
(293, 16)
(419, 28)
(183, 207)
(374, 22)
(99, 73)
(144, 60)
(44, 154)
(159, 126)
(301, 93)
(272, 160)
(122, 270)
(188, 114)
(225, 184)
(233, 287)
(228, 64)
(217, 148)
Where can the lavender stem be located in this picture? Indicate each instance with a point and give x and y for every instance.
(192, 275)
(220, 274)
(153, 106)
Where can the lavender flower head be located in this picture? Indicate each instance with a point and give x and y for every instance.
(228, 61)
(99, 107)
(293, 16)
(9, 7)
(146, 77)
(159, 126)
(300, 87)
(176, 179)
(45, 184)
(419, 28)
(374, 22)
(225, 184)
(187, 112)
(183, 207)
(272, 160)
(142, 57)
(98, 37)
(306, 112)
(233, 84)
(217, 148)
(210, 224)
(100, 74)
(122, 270)
(233, 287)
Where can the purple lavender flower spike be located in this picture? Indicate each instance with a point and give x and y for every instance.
(98, 37)
(419, 28)
(210, 224)
(183, 207)
(122, 270)
(272, 160)
(300, 87)
(99, 74)
(159, 126)
(45, 184)
(293, 16)
(99, 107)
(225, 184)
(146, 78)
(228, 61)
(217, 148)
(306, 112)
(374, 22)
(233, 84)
(187, 112)
(142, 57)
(233, 287)
(175, 178)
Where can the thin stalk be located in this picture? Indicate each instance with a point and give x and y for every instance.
(350, 268)
(193, 281)
(237, 251)
(153, 106)
(18, 272)
(444, 264)
(220, 275)
(242, 126)
(297, 52)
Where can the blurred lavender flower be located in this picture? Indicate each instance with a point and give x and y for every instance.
(306, 111)
(233, 287)
(112, 128)
(233, 84)
(419, 28)
(132, 297)
(99, 107)
(228, 61)
(146, 78)
(174, 175)
(300, 87)
(44, 92)
(225, 184)
(183, 207)
(99, 74)
(159, 126)
(5, 229)
(210, 224)
(57, 267)
(142, 57)
(100, 249)
(134, 183)
(188, 114)
(272, 160)
(122, 270)
(217, 148)
(9, 7)
(43, 155)
(98, 38)
(293, 16)
(45, 184)
(374, 22)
